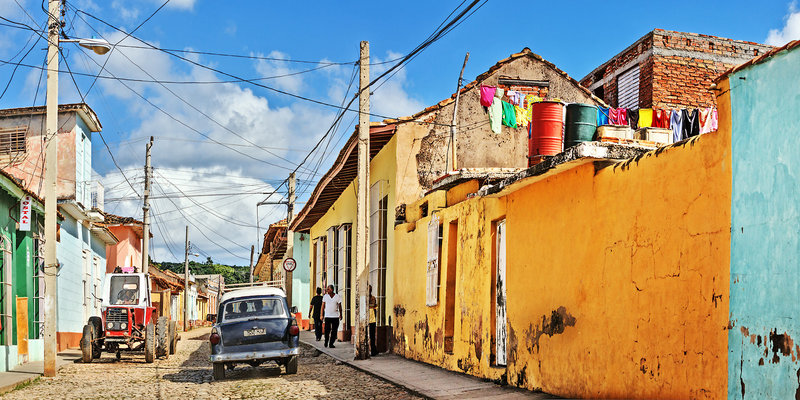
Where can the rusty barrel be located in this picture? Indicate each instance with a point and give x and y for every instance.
(581, 124)
(547, 125)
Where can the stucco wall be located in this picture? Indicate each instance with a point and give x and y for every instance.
(765, 246)
(126, 253)
(617, 279)
(301, 277)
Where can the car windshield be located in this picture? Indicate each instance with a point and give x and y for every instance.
(124, 290)
(253, 308)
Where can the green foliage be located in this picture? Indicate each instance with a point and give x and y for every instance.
(231, 273)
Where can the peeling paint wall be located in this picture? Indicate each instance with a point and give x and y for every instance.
(617, 279)
(764, 352)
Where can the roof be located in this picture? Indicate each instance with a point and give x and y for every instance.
(111, 219)
(82, 109)
(253, 291)
(22, 191)
(338, 178)
(760, 59)
(487, 175)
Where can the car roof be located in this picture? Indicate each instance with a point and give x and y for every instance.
(255, 291)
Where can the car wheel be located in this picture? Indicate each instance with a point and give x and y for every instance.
(86, 343)
(291, 365)
(219, 371)
(150, 343)
(162, 336)
(173, 337)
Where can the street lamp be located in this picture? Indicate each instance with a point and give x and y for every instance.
(50, 178)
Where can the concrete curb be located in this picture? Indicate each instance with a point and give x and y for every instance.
(26, 377)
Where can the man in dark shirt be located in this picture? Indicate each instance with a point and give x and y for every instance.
(316, 310)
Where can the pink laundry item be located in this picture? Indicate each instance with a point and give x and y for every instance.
(487, 95)
(714, 120)
(617, 116)
(705, 119)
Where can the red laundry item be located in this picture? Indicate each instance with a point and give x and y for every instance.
(661, 118)
(618, 116)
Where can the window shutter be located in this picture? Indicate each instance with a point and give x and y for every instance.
(432, 292)
(628, 89)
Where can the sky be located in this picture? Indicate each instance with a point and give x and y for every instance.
(221, 145)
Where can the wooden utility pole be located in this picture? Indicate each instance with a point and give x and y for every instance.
(455, 114)
(252, 249)
(146, 209)
(290, 236)
(50, 186)
(362, 209)
(186, 285)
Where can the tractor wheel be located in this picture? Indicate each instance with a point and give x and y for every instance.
(291, 365)
(219, 371)
(86, 343)
(149, 343)
(97, 345)
(162, 337)
(173, 337)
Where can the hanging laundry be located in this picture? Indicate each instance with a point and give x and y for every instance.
(532, 99)
(487, 95)
(676, 120)
(714, 121)
(522, 117)
(661, 118)
(633, 119)
(705, 119)
(496, 115)
(514, 97)
(509, 115)
(645, 117)
(617, 116)
(602, 116)
(691, 124)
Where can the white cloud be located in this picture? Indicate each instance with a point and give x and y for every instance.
(789, 32)
(181, 4)
(125, 10)
(392, 98)
(269, 68)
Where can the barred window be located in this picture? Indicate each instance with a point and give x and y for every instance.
(12, 140)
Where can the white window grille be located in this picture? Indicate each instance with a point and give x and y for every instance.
(320, 263)
(378, 203)
(331, 259)
(434, 245)
(343, 276)
(628, 89)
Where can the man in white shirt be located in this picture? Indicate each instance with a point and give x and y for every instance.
(332, 309)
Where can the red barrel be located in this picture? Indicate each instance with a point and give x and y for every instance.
(547, 125)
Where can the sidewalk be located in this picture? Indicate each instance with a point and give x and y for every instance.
(31, 371)
(423, 379)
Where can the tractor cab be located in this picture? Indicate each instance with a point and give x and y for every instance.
(127, 290)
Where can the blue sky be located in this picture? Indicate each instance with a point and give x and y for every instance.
(577, 36)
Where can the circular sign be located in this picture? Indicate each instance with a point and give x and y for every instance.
(289, 264)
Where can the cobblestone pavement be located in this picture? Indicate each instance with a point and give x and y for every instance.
(187, 375)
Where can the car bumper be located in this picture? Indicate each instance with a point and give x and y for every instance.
(255, 355)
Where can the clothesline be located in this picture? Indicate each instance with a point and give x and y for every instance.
(684, 123)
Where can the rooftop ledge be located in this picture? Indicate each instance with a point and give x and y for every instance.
(586, 152)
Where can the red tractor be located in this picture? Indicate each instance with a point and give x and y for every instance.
(128, 322)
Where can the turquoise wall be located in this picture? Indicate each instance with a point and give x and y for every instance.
(763, 359)
(301, 277)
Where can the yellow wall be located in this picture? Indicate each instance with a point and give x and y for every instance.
(617, 279)
(343, 211)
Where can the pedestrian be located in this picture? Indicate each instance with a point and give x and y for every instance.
(373, 323)
(316, 313)
(332, 305)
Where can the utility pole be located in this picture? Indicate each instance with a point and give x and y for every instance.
(362, 209)
(51, 201)
(186, 285)
(290, 236)
(455, 114)
(252, 249)
(146, 208)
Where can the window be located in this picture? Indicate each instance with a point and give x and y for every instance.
(344, 243)
(124, 290)
(378, 202)
(434, 255)
(12, 140)
(253, 308)
(628, 89)
(319, 262)
(332, 260)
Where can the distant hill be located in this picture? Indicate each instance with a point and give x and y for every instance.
(232, 273)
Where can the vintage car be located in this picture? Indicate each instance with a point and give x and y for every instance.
(254, 325)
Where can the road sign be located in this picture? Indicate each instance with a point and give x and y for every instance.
(289, 264)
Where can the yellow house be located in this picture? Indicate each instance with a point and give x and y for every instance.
(408, 156)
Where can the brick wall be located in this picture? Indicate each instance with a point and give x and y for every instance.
(676, 68)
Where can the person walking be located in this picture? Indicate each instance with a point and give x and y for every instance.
(315, 310)
(373, 323)
(332, 306)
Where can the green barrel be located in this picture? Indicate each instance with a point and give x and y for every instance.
(580, 125)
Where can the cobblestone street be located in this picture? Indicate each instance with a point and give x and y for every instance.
(187, 375)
